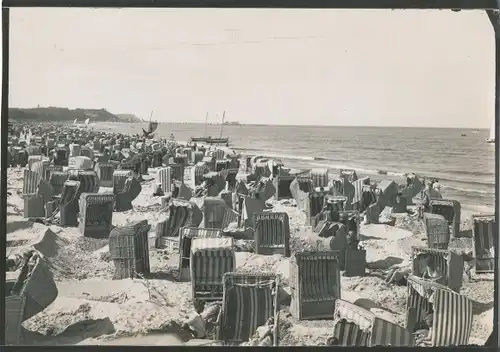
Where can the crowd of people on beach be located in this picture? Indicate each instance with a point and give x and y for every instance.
(242, 187)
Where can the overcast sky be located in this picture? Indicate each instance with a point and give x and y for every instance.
(312, 67)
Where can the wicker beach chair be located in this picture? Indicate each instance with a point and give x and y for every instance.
(96, 214)
(354, 262)
(36, 284)
(180, 214)
(319, 177)
(373, 214)
(334, 205)
(74, 150)
(129, 249)
(449, 264)
(181, 191)
(82, 163)
(131, 189)
(400, 205)
(348, 174)
(215, 183)
(248, 206)
(210, 259)
(186, 235)
(249, 301)
(68, 203)
(14, 316)
(196, 157)
(177, 172)
(156, 158)
(413, 188)
(57, 179)
(20, 157)
(87, 152)
(452, 312)
(219, 154)
(315, 205)
(229, 176)
(450, 209)
(355, 326)
(89, 180)
(164, 178)
(33, 159)
(437, 230)
(34, 150)
(282, 182)
(214, 211)
(180, 159)
(197, 172)
(264, 189)
(105, 174)
(484, 232)
(315, 284)
(271, 233)
(222, 164)
(119, 178)
(41, 167)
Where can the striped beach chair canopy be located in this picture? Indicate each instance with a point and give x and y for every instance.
(248, 207)
(351, 219)
(300, 188)
(30, 182)
(319, 177)
(452, 312)
(356, 326)
(484, 232)
(181, 213)
(96, 214)
(272, 233)
(214, 211)
(250, 299)
(437, 231)
(451, 210)
(348, 174)
(263, 189)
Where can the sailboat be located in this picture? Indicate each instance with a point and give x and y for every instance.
(491, 138)
(153, 125)
(210, 140)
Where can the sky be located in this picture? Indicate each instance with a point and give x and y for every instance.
(415, 68)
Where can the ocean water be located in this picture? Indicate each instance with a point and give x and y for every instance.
(464, 166)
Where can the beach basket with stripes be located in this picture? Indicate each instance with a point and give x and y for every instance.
(177, 172)
(272, 233)
(30, 182)
(222, 164)
(197, 172)
(282, 182)
(450, 209)
(105, 174)
(319, 177)
(249, 301)
(210, 259)
(484, 233)
(186, 236)
(315, 205)
(335, 204)
(156, 159)
(452, 312)
(33, 159)
(210, 162)
(119, 178)
(34, 150)
(36, 284)
(96, 214)
(132, 188)
(180, 159)
(449, 264)
(348, 174)
(89, 180)
(315, 284)
(57, 179)
(14, 316)
(61, 156)
(437, 230)
(214, 210)
(129, 249)
(219, 154)
(164, 178)
(196, 157)
(180, 214)
(74, 150)
(41, 167)
(355, 326)
(68, 204)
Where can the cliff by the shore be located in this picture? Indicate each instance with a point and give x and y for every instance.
(58, 114)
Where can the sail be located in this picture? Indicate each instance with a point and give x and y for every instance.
(492, 130)
(87, 121)
(152, 126)
(74, 122)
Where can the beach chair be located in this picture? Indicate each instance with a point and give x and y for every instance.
(86, 151)
(33, 159)
(177, 172)
(452, 312)
(119, 178)
(105, 172)
(315, 284)
(413, 188)
(282, 182)
(180, 214)
(181, 191)
(129, 250)
(210, 259)
(221, 165)
(89, 180)
(197, 173)
(209, 162)
(14, 316)
(249, 301)
(31, 180)
(164, 178)
(156, 158)
(334, 205)
(400, 205)
(96, 214)
(215, 183)
(57, 179)
(129, 191)
(180, 159)
(74, 150)
(348, 174)
(314, 206)
(319, 177)
(214, 210)
(484, 233)
(41, 167)
(437, 230)
(219, 154)
(248, 206)
(450, 209)
(186, 236)
(271, 233)
(355, 326)
(263, 189)
(82, 163)
(450, 264)
(34, 150)
(373, 214)
(229, 176)
(67, 204)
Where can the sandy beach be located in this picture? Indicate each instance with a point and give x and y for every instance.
(91, 308)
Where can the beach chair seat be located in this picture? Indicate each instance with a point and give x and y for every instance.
(104, 173)
(129, 250)
(450, 209)
(180, 213)
(249, 300)
(484, 232)
(261, 170)
(271, 233)
(315, 284)
(96, 214)
(282, 182)
(319, 177)
(31, 180)
(164, 178)
(354, 262)
(131, 189)
(156, 158)
(119, 178)
(448, 263)
(355, 326)
(181, 191)
(186, 235)
(437, 231)
(210, 259)
(36, 193)
(452, 312)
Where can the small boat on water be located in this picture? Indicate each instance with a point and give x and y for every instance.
(153, 125)
(491, 138)
(463, 135)
(209, 139)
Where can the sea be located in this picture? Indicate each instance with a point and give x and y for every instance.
(463, 165)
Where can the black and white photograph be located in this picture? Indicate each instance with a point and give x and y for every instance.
(251, 177)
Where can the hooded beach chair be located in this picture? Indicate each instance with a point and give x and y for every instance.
(89, 180)
(448, 263)
(249, 301)
(129, 250)
(105, 174)
(33, 159)
(61, 156)
(282, 182)
(452, 312)
(177, 171)
(315, 284)
(413, 188)
(355, 326)
(96, 214)
(41, 167)
(214, 210)
(215, 183)
(196, 157)
(86, 151)
(164, 178)
(119, 178)
(210, 162)
(82, 163)
(197, 173)
(390, 190)
(74, 150)
(450, 209)
(222, 164)
(181, 191)
(319, 177)
(229, 176)
(271, 233)
(437, 230)
(131, 189)
(247, 207)
(210, 259)
(180, 213)
(315, 205)
(186, 236)
(484, 233)
(348, 174)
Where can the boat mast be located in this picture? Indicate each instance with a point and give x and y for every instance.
(206, 121)
(222, 124)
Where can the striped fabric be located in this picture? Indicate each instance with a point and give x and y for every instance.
(230, 216)
(33, 159)
(119, 178)
(164, 178)
(34, 150)
(249, 301)
(210, 162)
(40, 167)
(319, 177)
(452, 316)
(451, 210)
(83, 163)
(196, 157)
(272, 233)
(437, 230)
(74, 150)
(483, 234)
(177, 172)
(214, 210)
(96, 213)
(358, 192)
(68, 205)
(89, 181)
(30, 182)
(105, 174)
(50, 169)
(222, 165)
(57, 180)
(210, 259)
(315, 206)
(86, 151)
(219, 154)
(348, 174)
(181, 214)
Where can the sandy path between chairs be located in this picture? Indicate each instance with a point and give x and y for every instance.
(91, 308)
